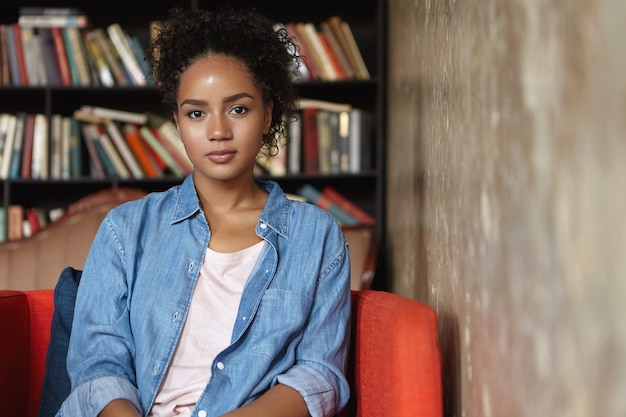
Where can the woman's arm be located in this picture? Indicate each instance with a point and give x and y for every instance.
(279, 401)
(119, 408)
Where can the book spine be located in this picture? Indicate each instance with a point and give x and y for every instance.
(55, 146)
(5, 67)
(122, 146)
(111, 56)
(71, 57)
(49, 55)
(16, 158)
(310, 141)
(19, 48)
(3, 224)
(27, 148)
(154, 143)
(75, 150)
(79, 51)
(89, 137)
(362, 71)
(100, 65)
(120, 41)
(15, 217)
(348, 206)
(50, 21)
(40, 164)
(115, 114)
(117, 164)
(313, 195)
(7, 146)
(64, 66)
(136, 145)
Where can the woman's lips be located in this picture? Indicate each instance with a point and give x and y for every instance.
(221, 157)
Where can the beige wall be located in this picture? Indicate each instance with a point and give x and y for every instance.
(507, 185)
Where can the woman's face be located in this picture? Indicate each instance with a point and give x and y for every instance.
(221, 118)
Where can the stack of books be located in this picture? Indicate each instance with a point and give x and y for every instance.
(329, 50)
(345, 211)
(58, 46)
(325, 138)
(96, 142)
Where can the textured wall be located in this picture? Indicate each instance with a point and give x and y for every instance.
(507, 198)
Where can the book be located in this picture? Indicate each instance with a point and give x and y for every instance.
(27, 147)
(19, 51)
(53, 21)
(361, 138)
(315, 196)
(75, 43)
(324, 141)
(75, 149)
(111, 56)
(15, 217)
(55, 150)
(49, 57)
(305, 103)
(140, 151)
(31, 215)
(310, 145)
(99, 66)
(90, 136)
(361, 69)
(5, 65)
(345, 37)
(334, 59)
(149, 135)
(39, 163)
(168, 130)
(71, 58)
(121, 42)
(3, 224)
(64, 65)
(123, 148)
(309, 35)
(184, 164)
(294, 147)
(337, 50)
(13, 58)
(32, 62)
(65, 171)
(48, 11)
(4, 121)
(16, 159)
(112, 114)
(117, 168)
(9, 124)
(341, 139)
(344, 203)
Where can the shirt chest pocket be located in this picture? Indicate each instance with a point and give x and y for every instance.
(279, 321)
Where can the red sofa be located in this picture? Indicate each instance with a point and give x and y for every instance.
(394, 365)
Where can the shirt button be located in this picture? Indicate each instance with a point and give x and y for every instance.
(263, 226)
(220, 365)
(201, 413)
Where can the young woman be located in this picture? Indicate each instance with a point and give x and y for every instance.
(217, 297)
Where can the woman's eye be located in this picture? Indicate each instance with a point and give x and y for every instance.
(239, 110)
(194, 114)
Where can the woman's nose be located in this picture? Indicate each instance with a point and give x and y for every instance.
(218, 128)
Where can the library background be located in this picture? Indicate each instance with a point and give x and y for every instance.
(79, 113)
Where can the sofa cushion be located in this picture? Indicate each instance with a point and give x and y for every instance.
(56, 384)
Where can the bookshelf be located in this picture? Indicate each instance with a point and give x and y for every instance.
(367, 19)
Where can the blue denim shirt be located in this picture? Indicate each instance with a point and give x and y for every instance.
(292, 326)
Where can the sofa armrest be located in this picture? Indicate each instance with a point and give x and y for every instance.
(396, 364)
(25, 329)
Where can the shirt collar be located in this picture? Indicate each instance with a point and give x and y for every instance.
(275, 214)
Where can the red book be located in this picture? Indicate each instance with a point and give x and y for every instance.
(64, 66)
(141, 151)
(33, 218)
(333, 57)
(19, 48)
(27, 146)
(311, 156)
(340, 200)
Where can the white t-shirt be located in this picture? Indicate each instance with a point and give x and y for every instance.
(207, 330)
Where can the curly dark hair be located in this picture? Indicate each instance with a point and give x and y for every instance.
(246, 35)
